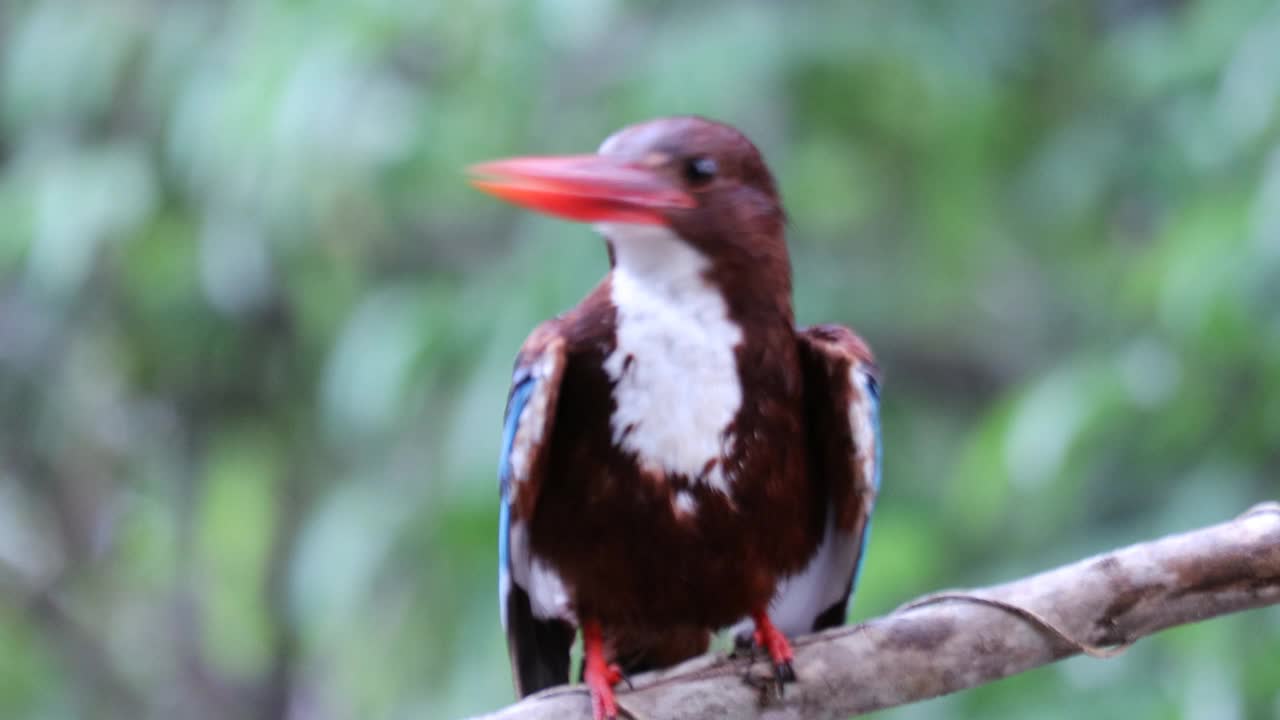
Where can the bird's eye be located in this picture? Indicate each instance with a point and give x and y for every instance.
(699, 170)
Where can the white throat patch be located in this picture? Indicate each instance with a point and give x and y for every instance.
(676, 386)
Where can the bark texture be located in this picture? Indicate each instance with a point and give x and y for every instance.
(956, 640)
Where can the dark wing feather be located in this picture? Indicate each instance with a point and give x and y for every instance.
(539, 628)
(843, 420)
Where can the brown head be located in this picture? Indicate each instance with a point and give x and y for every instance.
(699, 180)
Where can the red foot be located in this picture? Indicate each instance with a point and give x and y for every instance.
(772, 640)
(599, 675)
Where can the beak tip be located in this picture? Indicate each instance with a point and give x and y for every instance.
(475, 170)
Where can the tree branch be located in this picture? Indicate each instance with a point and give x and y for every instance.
(945, 643)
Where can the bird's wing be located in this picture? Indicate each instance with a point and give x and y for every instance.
(532, 598)
(842, 398)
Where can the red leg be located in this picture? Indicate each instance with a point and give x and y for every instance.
(599, 675)
(772, 640)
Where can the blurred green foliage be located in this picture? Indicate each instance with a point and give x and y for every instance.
(256, 332)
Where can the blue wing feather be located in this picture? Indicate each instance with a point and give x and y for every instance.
(521, 389)
(538, 642)
(872, 387)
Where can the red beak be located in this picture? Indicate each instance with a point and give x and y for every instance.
(585, 188)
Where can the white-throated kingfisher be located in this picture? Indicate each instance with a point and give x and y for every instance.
(677, 456)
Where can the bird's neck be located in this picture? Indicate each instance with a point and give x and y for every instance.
(653, 265)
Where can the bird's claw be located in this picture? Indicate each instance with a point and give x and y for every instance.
(783, 673)
(772, 641)
(614, 674)
(604, 706)
(600, 682)
(599, 674)
(744, 646)
(771, 687)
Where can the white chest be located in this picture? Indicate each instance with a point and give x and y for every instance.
(676, 386)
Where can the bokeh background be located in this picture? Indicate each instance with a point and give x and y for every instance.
(256, 331)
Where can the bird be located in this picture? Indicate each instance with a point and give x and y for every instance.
(677, 456)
